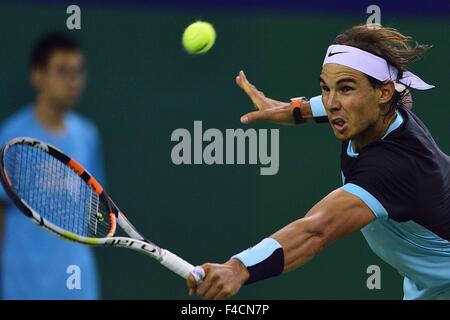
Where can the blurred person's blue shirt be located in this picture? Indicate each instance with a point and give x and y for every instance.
(35, 264)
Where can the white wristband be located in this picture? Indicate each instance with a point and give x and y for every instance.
(317, 107)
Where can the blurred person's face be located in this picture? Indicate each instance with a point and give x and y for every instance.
(61, 81)
(354, 107)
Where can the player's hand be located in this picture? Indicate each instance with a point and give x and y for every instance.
(268, 109)
(221, 280)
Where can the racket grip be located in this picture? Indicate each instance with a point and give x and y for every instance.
(181, 267)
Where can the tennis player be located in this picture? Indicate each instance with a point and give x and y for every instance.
(36, 264)
(396, 180)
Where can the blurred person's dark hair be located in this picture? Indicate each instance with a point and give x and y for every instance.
(48, 44)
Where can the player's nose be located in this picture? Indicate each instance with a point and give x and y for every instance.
(332, 103)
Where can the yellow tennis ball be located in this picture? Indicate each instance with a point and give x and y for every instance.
(199, 37)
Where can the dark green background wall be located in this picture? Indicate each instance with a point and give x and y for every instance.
(142, 86)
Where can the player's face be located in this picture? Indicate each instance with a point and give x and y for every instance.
(352, 104)
(62, 80)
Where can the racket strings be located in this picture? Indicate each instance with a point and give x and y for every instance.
(56, 192)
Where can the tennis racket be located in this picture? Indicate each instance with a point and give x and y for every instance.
(57, 193)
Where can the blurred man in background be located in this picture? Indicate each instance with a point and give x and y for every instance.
(36, 264)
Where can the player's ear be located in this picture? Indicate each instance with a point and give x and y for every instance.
(386, 92)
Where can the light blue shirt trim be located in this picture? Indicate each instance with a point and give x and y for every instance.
(394, 125)
(372, 202)
(258, 253)
(350, 151)
(317, 107)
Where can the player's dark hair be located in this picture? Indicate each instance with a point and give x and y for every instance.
(48, 44)
(397, 49)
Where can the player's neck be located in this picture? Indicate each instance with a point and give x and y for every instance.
(373, 133)
(49, 115)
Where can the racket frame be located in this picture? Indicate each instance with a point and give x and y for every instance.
(136, 241)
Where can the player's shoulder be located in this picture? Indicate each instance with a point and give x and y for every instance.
(387, 156)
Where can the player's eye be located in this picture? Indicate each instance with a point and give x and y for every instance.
(347, 89)
(324, 88)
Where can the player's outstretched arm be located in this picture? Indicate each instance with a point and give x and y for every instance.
(268, 109)
(338, 214)
(282, 112)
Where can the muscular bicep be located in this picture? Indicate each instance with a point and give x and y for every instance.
(338, 214)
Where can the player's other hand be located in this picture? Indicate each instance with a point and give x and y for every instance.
(221, 280)
(268, 109)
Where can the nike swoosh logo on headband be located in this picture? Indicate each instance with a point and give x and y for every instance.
(333, 53)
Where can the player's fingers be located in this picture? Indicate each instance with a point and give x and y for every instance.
(203, 288)
(195, 278)
(254, 94)
(243, 76)
(225, 292)
(239, 80)
(220, 296)
(242, 81)
(191, 283)
(198, 273)
(213, 291)
(206, 284)
(206, 268)
(254, 116)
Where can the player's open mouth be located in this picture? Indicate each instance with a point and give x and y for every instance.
(339, 124)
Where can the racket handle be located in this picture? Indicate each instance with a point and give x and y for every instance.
(181, 267)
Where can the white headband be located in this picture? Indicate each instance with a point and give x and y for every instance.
(372, 65)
